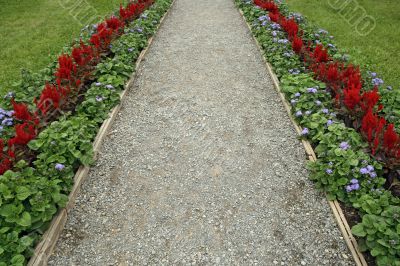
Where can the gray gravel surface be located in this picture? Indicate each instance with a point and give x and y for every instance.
(202, 165)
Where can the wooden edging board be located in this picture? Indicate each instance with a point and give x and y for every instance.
(335, 206)
(45, 247)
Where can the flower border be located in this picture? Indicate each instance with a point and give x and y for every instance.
(343, 169)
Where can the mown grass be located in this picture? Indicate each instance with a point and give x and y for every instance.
(33, 32)
(380, 49)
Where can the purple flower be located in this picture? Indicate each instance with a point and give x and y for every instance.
(1, 128)
(329, 171)
(305, 131)
(293, 101)
(294, 71)
(377, 81)
(353, 186)
(275, 26)
(130, 50)
(317, 102)
(370, 168)
(262, 18)
(331, 46)
(389, 88)
(10, 113)
(109, 87)
(297, 94)
(143, 16)
(364, 171)
(99, 98)
(7, 122)
(329, 122)
(344, 145)
(98, 84)
(354, 181)
(9, 95)
(140, 30)
(325, 111)
(322, 31)
(308, 112)
(330, 163)
(373, 74)
(312, 90)
(59, 167)
(299, 113)
(274, 33)
(372, 174)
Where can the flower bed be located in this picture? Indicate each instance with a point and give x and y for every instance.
(341, 112)
(54, 128)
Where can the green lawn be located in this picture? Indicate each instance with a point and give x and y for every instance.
(32, 32)
(380, 49)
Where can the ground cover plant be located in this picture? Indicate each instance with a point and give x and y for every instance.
(345, 114)
(48, 132)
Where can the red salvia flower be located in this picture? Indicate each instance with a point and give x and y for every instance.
(21, 111)
(320, 54)
(23, 134)
(274, 16)
(333, 73)
(267, 5)
(114, 23)
(291, 27)
(352, 97)
(390, 137)
(369, 99)
(297, 44)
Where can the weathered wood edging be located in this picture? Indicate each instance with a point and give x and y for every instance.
(45, 247)
(335, 206)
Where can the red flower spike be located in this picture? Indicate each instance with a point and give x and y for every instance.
(297, 44)
(369, 99)
(21, 111)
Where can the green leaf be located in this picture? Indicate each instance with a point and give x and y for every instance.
(8, 210)
(353, 162)
(375, 251)
(23, 192)
(18, 260)
(342, 181)
(25, 219)
(358, 230)
(35, 144)
(25, 241)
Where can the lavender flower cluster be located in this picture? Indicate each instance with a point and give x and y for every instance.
(6, 118)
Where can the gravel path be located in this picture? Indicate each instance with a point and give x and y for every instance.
(202, 165)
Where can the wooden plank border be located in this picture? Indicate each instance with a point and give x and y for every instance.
(45, 247)
(334, 205)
